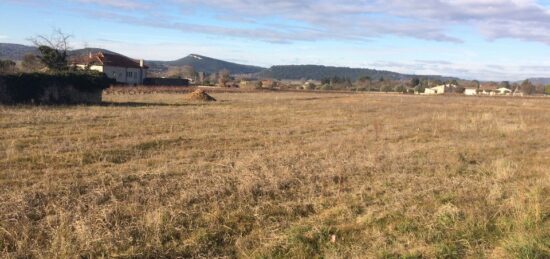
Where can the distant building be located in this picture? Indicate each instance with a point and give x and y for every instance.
(488, 89)
(517, 91)
(123, 69)
(440, 89)
(503, 91)
(470, 91)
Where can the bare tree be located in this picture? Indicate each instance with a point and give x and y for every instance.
(53, 49)
(223, 77)
(174, 72)
(7, 67)
(31, 63)
(188, 72)
(527, 88)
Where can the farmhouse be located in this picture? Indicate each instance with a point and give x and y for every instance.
(470, 91)
(123, 69)
(504, 91)
(488, 89)
(440, 89)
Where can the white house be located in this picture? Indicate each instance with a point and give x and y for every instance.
(504, 91)
(470, 91)
(440, 89)
(123, 69)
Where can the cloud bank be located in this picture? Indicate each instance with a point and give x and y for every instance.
(287, 21)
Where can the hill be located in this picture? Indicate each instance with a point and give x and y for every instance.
(15, 51)
(205, 64)
(200, 63)
(317, 72)
(212, 65)
(540, 80)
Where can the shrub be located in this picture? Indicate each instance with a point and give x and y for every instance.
(386, 88)
(399, 89)
(309, 86)
(326, 87)
(62, 87)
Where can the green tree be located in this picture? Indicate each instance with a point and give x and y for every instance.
(400, 88)
(386, 87)
(547, 90)
(420, 88)
(53, 59)
(414, 81)
(53, 50)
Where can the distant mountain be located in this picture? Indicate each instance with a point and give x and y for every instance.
(15, 51)
(205, 64)
(317, 72)
(210, 65)
(540, 80)
(200, 63)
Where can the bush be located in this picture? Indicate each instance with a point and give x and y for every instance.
(62, 87)
(386, 88)
(325, 87)
(309, 86)
(399, 89)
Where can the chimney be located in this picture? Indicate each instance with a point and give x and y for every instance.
(141, 62)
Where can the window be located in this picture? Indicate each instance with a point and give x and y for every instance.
(129, 74)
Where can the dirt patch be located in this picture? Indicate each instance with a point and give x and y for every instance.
(200, 95)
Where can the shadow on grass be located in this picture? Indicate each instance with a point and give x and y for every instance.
(143, 104)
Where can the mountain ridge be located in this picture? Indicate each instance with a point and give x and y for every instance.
(319, 72)
(211, 65)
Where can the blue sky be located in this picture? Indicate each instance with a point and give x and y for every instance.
(483, 39)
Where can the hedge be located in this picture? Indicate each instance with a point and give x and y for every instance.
(62, 87)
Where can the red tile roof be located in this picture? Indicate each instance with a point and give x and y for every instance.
(105, 59)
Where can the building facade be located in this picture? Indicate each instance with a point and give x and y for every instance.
(123, 69)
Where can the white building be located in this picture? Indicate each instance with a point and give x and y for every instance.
(123, 69)
(470, 91)
(440, 89)
(504, 91)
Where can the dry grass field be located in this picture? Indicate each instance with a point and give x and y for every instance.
(277, 175)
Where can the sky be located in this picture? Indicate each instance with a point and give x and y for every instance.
(471, 39)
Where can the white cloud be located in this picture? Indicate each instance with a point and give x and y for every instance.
(429, 19)
(466, 70)
(125, 4)
(310, 20)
